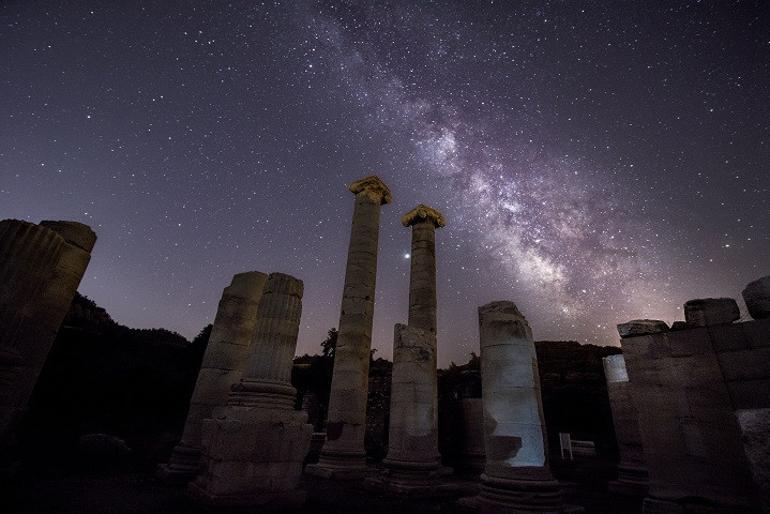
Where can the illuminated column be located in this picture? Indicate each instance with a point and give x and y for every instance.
(226, 354)
(343, 455)
(516, 476)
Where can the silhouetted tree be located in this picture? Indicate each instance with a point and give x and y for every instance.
(330, 343)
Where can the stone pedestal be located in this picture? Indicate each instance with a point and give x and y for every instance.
(343, 455)
(254, 448)
(223, 362)
(632, 470)
(516, 477)
(413, 457)
(29, 255)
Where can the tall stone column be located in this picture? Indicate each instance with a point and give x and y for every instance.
(41, 328)
(254, 448)
(516, 476)
(632, 470)
(343, 455)
(224, 360)
(29, 254)
(413, 453)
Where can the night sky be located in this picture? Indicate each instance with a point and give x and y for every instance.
(596, 161)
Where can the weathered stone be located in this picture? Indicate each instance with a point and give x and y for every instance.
(685, 405)
(757, 298)
(516, 478)
(472, 453)
(29, 255)
(711, 311)
(632, 470)
(755, 435)
(223, 363)
(254, 448)
(679, 325)
(412, 448)
(640, 327)
(343, 455)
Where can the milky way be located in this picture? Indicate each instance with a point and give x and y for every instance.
(596, 162)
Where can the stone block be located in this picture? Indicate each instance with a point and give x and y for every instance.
(742, 365)
(757, 298)
(755, 437)
(640, 327)
(750, 394)
(694, 341)
(703, 312)
(757, 333)
(725, 338)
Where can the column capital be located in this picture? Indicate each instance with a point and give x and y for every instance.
(423, 212)
(374, 188)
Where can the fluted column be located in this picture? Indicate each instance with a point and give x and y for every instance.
(632, 469)
(225, 358)
(29, 254)
(516, 476)
(343, 454)
(267, 375)
(40, 329)
(254, 448)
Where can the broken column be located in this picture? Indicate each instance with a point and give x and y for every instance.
(41, 328)
(516, 476)
(757, 298)
(343, 455)
(224, 360)
(29, 255)
(413, 435)
(632, 471)
(254, 448)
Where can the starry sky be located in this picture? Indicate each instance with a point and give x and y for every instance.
(596, 161)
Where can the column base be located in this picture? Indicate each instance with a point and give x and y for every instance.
(268, 501)
(183, 465)
(533, 490)
(420, 485)
(339, 466)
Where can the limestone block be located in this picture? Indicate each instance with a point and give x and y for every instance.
(639, 327)
(757, 298)
(753, 364)
(711, 311)
(757, 333)
(729, 337)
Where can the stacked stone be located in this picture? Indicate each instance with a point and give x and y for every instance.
(413, 454)
(253, 449)
(40, 269)
(343, 455)
(516, 477)
(701, 391)
(632, 471)
(224, 361)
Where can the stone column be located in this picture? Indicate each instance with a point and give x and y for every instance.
(413, 436)
(632, 470)
(223, 362)
(40, 330)
(516, 476)
(343, 455)
(29, 255)
(422, 281)
(254, 448)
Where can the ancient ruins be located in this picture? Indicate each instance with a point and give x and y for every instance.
(40, 269)
(343, 455)
(689, 404)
